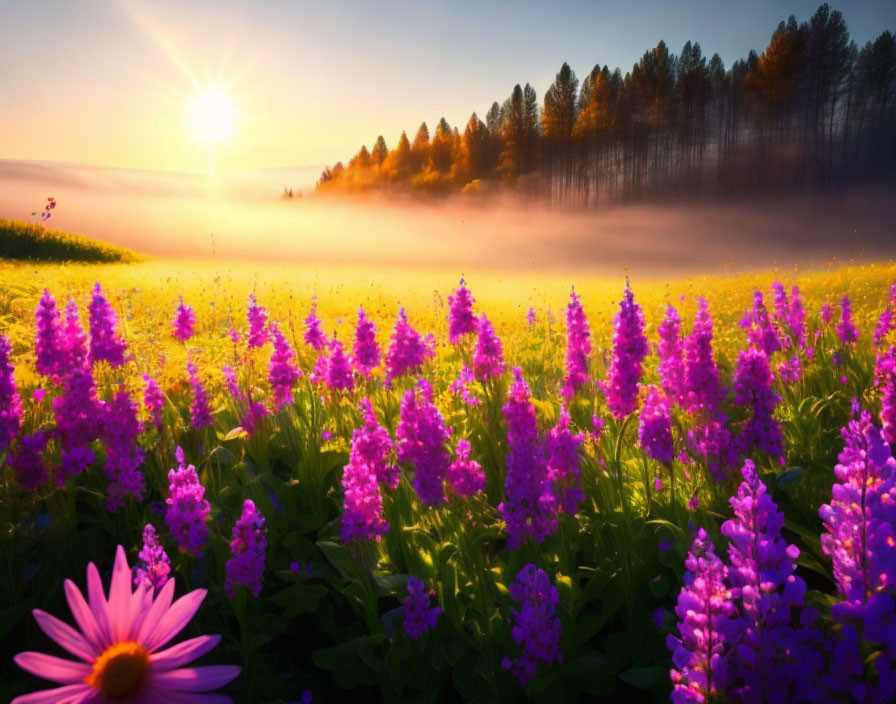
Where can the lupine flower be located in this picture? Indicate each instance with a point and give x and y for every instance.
(339, 375)
(123, 455)
(26, 461)
(530, 317)
(366, 350)
(488, 363)
(711, 442)
(561, 449)
(708, 624)
(860, 539)
(200, 409)
(629, 350)
(248, 548)
(578, 346)
(461, 320)
(461, 387)
(153, 401)
(884, 325)
(422, 442)
(753, 390)
(846, 331)
(184, 322)
(362, 507)
(105, 339)
(10, 402)
(419, 616)
(827, 312)
(767, 590)
(790, 370)
(156, 566)
(256, 411)
(885, 380)
(75, 340)
(187, 509)
(258, 321)
(537, 629)
(79, 415)
(49, 339)
(282, 373)
(372, 446)
(761, 333)
(465, 475)
(232, 384)
(530, 507)
(119, 646)
(314, 333)
(655, 427)
(670, 352)
(407, 352)
(597, 427)
(797, 318)
(782, 316)
(703, 393)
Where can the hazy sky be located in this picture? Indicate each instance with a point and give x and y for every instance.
(109, 81)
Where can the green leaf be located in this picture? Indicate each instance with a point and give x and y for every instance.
(789, 477)
(643, 677)
(234, 434)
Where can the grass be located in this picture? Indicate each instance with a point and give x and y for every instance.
(28, 241)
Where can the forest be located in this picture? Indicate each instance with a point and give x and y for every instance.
(813, 112)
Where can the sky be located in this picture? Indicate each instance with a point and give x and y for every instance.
(111, 82)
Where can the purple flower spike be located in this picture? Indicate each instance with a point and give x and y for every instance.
(10, 401)
(366, 350)
(339, 376)
(465, 475)
(200, 409)
(578, 346)
(629, 351)
(461, 320)
(156, 564)
(671, 354)
(422, 442)
(184, 323)
(753, 390)
(562, 452)
(314, 334)
(655, 427)
(846, 331)
(488, 362)
(282, 373)
(258, 321)
(248, 548)
(105, 339)
(407, 352)
(187, 509)
(49, 340)
(419, 616)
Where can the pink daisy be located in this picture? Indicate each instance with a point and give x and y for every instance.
(119, 647)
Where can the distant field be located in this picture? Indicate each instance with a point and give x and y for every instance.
(25, 240)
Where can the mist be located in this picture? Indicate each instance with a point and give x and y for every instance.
(243, 217)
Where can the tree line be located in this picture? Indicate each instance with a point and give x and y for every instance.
(812, 111)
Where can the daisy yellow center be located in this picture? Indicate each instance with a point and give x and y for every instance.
(119, 671)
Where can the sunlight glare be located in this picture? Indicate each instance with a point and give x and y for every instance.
(212, 115)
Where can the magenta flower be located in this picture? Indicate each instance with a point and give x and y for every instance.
(372, 446)
(884, 325)
(465, 476)
(671, 354)
(362, 506)
(75, 341)
(530, 317)
(184, 322)
(156, 566)
(26, 461)
(248, 547)
(407, 352)
(578, 346)
(561, 449)
(119, 646)
(419, 616)
(461, 320)
(885, 380)
(629, 351)
(10, 402)
(761, 334)
(488, 363)
(846, 331)
(422, 440)
(105, 339)
(49, 339)
(187, 508)
(124, 456)
(655, 427)
(339, 376)
(827, 312)
(461, 387)
(703, 392)
(314, 333)
(154, 402)
(537, 629)
(366, 350)
(258, 320)
(753, 390)
(79, 419)
(200, 409)
(282, 372)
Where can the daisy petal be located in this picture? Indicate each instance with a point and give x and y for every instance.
(120, 596)
(158, 609)
(195, 679)
(182, 653)
(53, 668)
(65, 635)
(175, 619)
(98, 604)
(61, 695)
(84, 617)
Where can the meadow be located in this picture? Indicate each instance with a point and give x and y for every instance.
(524, 506)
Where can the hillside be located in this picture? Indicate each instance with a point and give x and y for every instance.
(24, 240)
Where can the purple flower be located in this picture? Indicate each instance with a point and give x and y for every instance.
(49, 339)
(26, 461)
(372, 446)
(362, 507)
(753, 391)
(655, 427)
(248, 547)
(827, 312)
(282, 373)
(124, 456)
(200, 409)
(407, 352)
(629, 351)
(578, 346)
(761, 334)
(419, 616)
(153, 401)
(461, 387)
(366, 350)
(488, 362)
(885, 380)
(790, 317)
(530, 317)
(703, 393)
(105, 340)
(256, 411)
(884, 325)
(465, 475)
(461, 320)
(184, 322)
(314, 334)
(79, 419)
(258, 321)
(561, 448)
(10, 402)
(708, 625)
(422, 442)
(670, 352)
(536, 629)
(156, 566)
(339, 376)
(846, 331)
(711, 442)
(187, 509)
(530, 509)
(75, 358)
(790, 371)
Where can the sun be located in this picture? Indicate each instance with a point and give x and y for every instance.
(212, 116)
